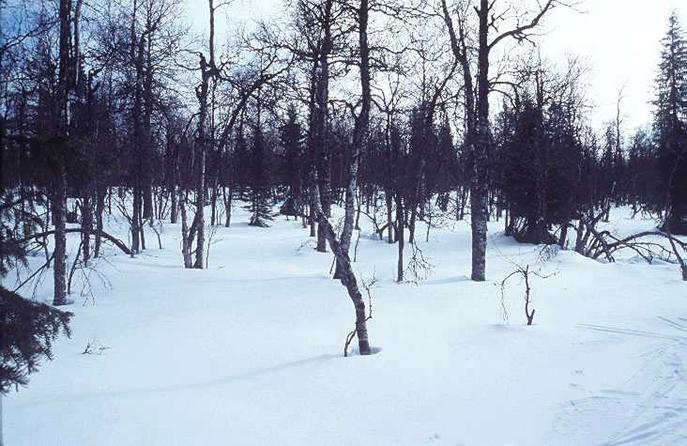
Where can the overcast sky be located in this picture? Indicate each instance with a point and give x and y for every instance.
(621, 41)
(618, 39)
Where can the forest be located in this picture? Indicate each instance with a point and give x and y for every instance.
(419, 161)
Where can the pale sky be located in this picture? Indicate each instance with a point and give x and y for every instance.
(621, 41)
(618, 39)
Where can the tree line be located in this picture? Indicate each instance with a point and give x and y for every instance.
(394, 110)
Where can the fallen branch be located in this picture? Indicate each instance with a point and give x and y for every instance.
(115, 241)
(605, 243)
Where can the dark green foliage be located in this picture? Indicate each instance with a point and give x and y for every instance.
(11, 252)
(442, 162)
(241, 162)
(292, 138)
(260, 182)
(18, 220)
(641, 170)
(614, 181)
(28, 330)
(539, 159)
(671, 129)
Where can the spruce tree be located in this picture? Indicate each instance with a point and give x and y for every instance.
(27, 329)
(260, 205)
(539, 158)
(641, 169)
(292, 142)
(241, 163)
(670, 130)
(612, 184)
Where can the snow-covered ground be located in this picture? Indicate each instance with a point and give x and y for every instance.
(249, 351)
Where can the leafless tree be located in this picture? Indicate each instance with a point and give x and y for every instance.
(526, 274)
(485, 37)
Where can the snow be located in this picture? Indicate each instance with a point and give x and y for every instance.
(249, 351)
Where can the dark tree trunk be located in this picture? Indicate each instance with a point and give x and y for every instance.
(321, 239)
(200, 215)
(147, 139)
(99, 210)
(479, 193)
(174, 207)
(400, 235)
(227, 198)
(389, 212)
(86, 228)
(318, 124)
(59, 216)
(411, 225)
(135, 222)
(313, 223)
(59, 198)
(141, 226)
(213, 205)
(563, 239)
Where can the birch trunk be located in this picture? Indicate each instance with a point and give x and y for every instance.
(185, 233)
(347, 276)
(60, 185)
(319, 125)
(360, 130)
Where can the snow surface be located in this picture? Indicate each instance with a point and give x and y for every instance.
(249, 351)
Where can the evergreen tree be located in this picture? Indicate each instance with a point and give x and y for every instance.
(641, 169)
(241, 163)
(441, 162)
(539, 160)
(670, 129)
(292, 142)
(524, 161)
(613, 182)
(27, 329)
(260, 205)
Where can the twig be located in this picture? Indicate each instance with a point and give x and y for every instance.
(45, 265)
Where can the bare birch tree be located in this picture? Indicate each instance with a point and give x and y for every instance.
(477, 136)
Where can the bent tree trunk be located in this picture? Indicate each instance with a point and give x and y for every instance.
(346, 275)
